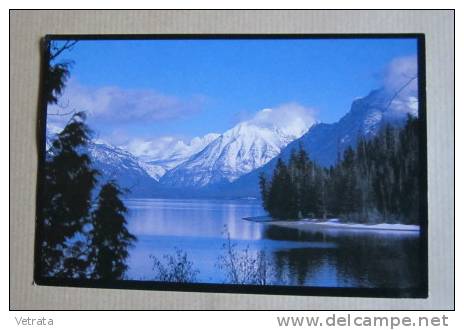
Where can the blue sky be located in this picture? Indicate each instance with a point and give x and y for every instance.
(193, 87)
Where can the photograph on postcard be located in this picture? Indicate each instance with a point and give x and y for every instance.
(285, 164)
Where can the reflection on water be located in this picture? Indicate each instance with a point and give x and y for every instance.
(320, 257)
(194, 218)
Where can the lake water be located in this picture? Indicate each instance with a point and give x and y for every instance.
(321, 257)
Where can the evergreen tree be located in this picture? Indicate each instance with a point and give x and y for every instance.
(110, 238)
(364, 178)
(69, 180)
(409, 170)
(56, 73)
(320, 210)
(282, 194)
(66, 249)
(350, 195)
(309, 190)
(296, 170)
(330, 188)
(264, 189)
(377, 181)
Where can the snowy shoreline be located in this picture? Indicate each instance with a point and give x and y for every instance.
(333, 224)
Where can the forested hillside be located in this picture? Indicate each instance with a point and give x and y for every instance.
(375, 182)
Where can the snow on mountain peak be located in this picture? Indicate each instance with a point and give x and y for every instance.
(243, 148)
(160, 155)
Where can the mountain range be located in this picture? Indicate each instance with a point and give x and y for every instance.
(325, 142)
(175, 155)
(228, 165)
(240, 150)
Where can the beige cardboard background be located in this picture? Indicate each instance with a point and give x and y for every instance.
(27, 27)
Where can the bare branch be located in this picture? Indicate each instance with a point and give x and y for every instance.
(68, 45)
(399, 91)
(62, 114)
(62, 105)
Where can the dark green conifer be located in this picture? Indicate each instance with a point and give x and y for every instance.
(69, 180)
(377, 181)
(110, 239)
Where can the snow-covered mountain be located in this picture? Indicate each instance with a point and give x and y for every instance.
(175, 155)
(323, 141)
(116, 164)
(228, 165)
(366, 116)
(243, 148)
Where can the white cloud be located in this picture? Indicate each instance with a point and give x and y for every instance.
(401, 73)
(119, 105)
(401, 81)
(291, 118)
(151, 148)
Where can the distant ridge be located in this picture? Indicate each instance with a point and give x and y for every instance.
(229, 165)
